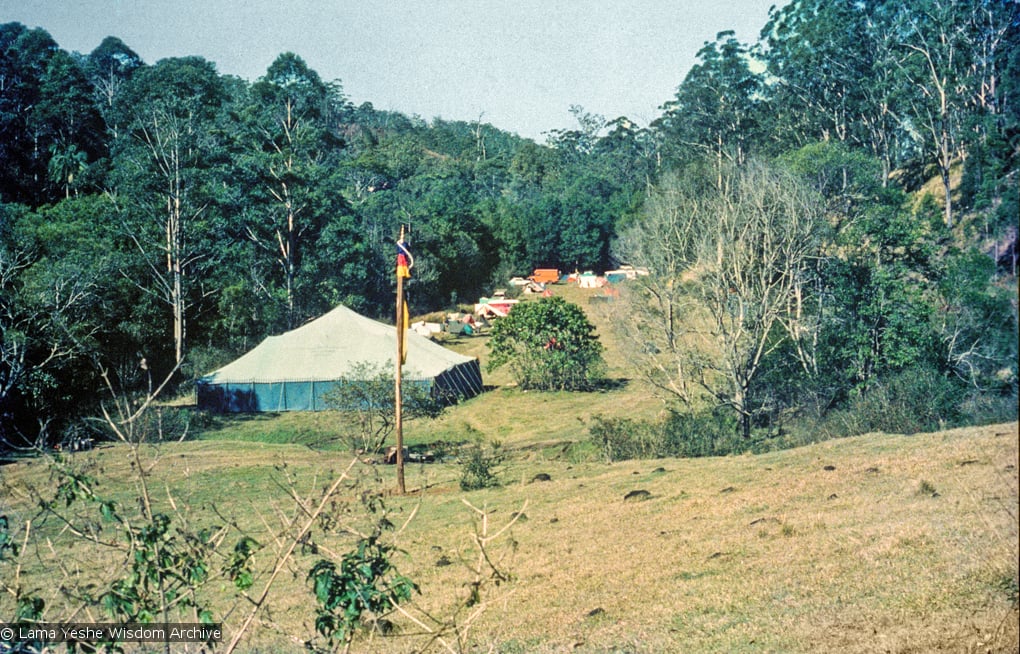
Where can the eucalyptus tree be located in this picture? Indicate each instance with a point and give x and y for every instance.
(308, 250)
(288, 148)
(167, 180)
(936, 41)
(486, 150)
(832, 76)
(109, 68)
(994, 117)
(954, 58)
(715, 110)
(576, 143)
(628, 154)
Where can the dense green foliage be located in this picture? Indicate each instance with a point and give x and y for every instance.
(161, 216)
(679, 435)
(548, 345)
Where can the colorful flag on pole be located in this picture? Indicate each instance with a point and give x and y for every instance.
(402, 328)
(404, 260)
(404, 264)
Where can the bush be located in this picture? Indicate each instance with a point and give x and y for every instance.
(365, 584)
(918, 399)
(549, 345)
(712, 433)
(367, 404)
(478, 465)
(681, 435)
(619, 439)
(987, 408)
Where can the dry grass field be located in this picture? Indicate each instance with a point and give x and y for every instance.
(876, 543)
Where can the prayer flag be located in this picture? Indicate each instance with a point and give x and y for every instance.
(402, 328)
(404, 260)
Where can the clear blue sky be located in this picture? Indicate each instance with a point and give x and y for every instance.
(518, 64)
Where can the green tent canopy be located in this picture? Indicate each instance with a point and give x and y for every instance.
(293, 371)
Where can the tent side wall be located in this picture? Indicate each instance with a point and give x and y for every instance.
(459, 382)
(254, 396)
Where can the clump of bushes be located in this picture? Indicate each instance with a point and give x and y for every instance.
(680, 435)
(916, 400)
(919, 399)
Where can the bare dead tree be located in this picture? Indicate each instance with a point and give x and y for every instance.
(726, 283)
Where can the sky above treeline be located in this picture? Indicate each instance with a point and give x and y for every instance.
(517, 64)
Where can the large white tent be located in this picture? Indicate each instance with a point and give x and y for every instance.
(293, 371)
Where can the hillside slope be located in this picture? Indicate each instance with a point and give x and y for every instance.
(875, 543)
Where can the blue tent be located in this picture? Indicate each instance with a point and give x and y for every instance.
(293, 371)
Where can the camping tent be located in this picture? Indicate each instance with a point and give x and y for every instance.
(293, 371)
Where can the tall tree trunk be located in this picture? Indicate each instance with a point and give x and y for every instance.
(175, 254)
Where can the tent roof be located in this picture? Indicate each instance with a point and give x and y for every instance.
(329, 347)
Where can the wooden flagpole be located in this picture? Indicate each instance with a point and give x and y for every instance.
(398, 399)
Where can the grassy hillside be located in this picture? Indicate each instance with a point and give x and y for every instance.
(879, 542)
(874, 543)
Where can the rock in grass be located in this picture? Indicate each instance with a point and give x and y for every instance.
(636, 496)
(380, 626)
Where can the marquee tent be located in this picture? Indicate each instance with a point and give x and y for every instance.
(293, 371)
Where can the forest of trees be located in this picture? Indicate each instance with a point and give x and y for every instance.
(161, 216)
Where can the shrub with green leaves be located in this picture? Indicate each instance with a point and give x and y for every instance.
(918, 399)
(166, 564)
(619, 439)
(367, 402)
(167, 567)
(364, 585)
(549, 345)
(478, 465)
(707, 433)
(681, 435)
